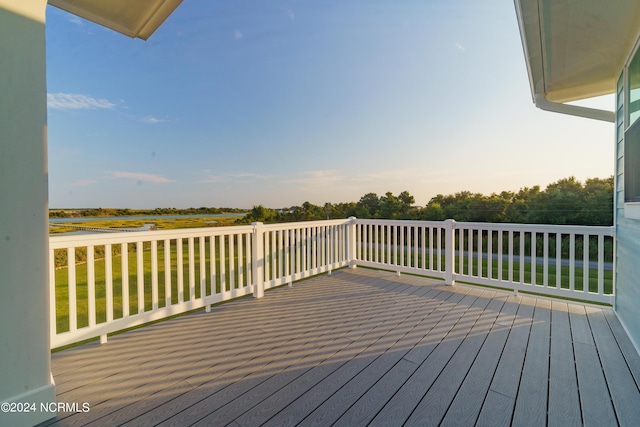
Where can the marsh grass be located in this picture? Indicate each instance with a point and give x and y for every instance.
(161, 223)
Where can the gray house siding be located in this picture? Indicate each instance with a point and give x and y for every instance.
(627, 277)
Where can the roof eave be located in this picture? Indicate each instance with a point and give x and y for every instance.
(147, 23)
(532, 35)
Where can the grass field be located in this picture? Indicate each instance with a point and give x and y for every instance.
(161, 223)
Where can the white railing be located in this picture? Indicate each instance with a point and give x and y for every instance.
(117, 281)
(295, 251)
(405, 246)
(566, 261)
(102, 283)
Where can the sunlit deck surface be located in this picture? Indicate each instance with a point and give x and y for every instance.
(362, 347)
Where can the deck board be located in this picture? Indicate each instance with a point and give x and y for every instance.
(362, 347)
(531, 403)
(305, 403)
(623, 388)
(434, 353)
(343, 399)
(273, 405)
(465, 407)
(497, 408)
(467, 340)
(596, 411)
(564, 401)
(624, 343)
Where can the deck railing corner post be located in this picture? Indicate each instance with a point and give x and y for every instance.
(450, 251)
(258, 259)
(351, 242)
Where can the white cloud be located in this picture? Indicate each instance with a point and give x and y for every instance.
(238, 35)
(459, 46)
(152, 120)
(141, 177)
(84, 182)
(210, 177)
(75, 20)
(71, 101)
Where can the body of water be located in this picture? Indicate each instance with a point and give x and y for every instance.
(139, 217)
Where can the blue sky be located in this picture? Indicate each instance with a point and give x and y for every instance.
(277, 102)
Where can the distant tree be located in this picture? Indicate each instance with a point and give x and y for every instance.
(259, 214)
(566, 201)
(432, 212)
(597, 206)
(491, 208)
(340, 210)
(368, 206)
(406, 201)
(560, 203)
(518, 210)
(390, 207)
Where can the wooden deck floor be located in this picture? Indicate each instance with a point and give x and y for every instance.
(362, 347)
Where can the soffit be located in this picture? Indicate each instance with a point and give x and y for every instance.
(575, 49)
(134, 18)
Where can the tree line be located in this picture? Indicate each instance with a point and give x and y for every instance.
(566, 201)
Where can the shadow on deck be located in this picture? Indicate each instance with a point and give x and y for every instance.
(362, 347)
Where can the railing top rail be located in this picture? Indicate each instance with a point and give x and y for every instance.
(414, 223)
(541, 228)
(66, 241)
(303, 224)
(567, 229)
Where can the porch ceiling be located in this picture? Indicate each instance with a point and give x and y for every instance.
(575, 49)
(139, 18)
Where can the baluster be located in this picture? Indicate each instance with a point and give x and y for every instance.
(154, 275)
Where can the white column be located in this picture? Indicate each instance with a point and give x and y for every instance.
(24, 236)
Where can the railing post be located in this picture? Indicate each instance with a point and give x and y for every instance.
(258, 259)
(450, 251)
(351, 242)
